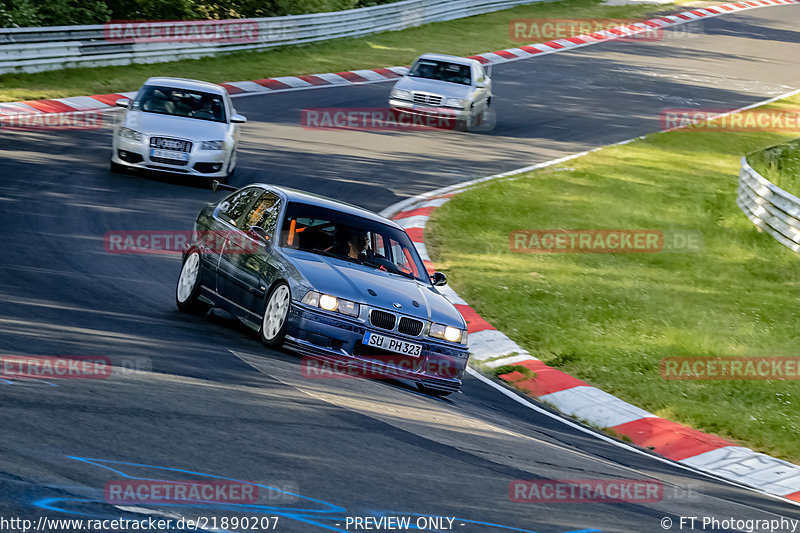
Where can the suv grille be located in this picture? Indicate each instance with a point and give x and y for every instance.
(382, 319)
(166, 143)
(428, 99)
(409, 326)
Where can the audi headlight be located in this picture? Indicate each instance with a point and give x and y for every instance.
(331, 303)
(448, 333)
(401, 94)
(212, 145)
(455, 102)
(128, 133)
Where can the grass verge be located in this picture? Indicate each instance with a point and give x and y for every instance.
(610, 318)
(481, 33)
(780, 164)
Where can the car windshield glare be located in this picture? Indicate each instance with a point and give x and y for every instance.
(180, 103)
(442, 70)
(351, 238)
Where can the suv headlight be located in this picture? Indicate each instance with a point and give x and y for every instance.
(212, 145)
(401, 94)
(130, 134)
(331, 303)
(455, 102)
(448, 333)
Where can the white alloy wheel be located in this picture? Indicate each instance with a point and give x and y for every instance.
(188, 278)
(272, 326)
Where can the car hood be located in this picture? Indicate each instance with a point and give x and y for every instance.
(170, 126)
(450, 90)
(354, 282)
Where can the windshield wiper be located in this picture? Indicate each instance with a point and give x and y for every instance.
(393, 269)
(380, 266)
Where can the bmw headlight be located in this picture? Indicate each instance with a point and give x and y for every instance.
(128, 133)
(401, 94)
(448, 333)
(331, 303)
(212, 145)
(455, 102)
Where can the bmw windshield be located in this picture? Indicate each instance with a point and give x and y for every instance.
(351, 238)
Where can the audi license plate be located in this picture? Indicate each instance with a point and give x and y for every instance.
(393, 345)
(169, 154)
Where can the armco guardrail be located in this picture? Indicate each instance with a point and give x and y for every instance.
(769, 207)
(57, 47)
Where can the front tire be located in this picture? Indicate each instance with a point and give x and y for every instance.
(188, 289)
(276, 314)
(466, 123)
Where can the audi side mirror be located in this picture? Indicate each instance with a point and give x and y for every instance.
(123, 102)
(236, 118)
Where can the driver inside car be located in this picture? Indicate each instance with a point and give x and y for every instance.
(351, 243)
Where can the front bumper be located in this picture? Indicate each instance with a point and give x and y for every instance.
(136, 154)
(337, 340)
(405, 106)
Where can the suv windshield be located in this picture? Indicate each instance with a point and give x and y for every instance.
(180, 103)
(351, 238)
(442, 71)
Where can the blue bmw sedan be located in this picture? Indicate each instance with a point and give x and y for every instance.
(332, 281)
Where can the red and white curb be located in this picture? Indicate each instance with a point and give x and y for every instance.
(491, 348)
(378, 75)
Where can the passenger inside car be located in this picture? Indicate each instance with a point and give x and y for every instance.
(159, 103)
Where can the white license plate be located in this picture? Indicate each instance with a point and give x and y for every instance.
(426, 109)
(169, 154)
(393, 345)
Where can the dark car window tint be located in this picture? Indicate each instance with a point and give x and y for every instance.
(264, 213)
(351, 238)
(231, 209)
(180, 103)
(442, 70)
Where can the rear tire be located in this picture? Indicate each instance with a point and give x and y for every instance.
(188, 289)
(276, 315)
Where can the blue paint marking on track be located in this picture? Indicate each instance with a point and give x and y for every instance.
(318, 513)
(12, 382)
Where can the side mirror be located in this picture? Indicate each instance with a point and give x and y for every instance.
(259, 233)
(216, 185)
(236, 118)
(480, 84)
(439, 279)
(123, 102)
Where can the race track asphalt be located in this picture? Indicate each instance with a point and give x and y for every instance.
(209, 399)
